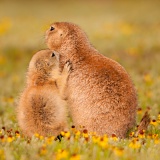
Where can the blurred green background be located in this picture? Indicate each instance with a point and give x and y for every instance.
(124, 30)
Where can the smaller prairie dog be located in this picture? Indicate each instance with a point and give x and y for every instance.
(41, 107)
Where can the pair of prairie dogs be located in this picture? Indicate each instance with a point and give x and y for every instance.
(99, 92)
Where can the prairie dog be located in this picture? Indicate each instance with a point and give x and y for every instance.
(41, 107)
(101, 95)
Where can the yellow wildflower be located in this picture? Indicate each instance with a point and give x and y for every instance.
(139, 111)
(149, 136)
(2, 138)
(65, 134)
(154, 136)
(103, 144)
(148, 79)
(158, 119)
(105, 138)
(43, 150)
(2, 60)
(126, 28)
(118, 151)
(75, 157)
(9, 99)
(132, 51)
(149, 94)
(114, 137)
(73, 128)
(17, 134)
(154, 122)
(101, 141)
(157, 141)
(5, 25)
(135, 144)
(41, 137)
(49, 140)
(131, 134)
(37, 135)
(10, 139)
(2, 155)
(85, 133)
(78, 133)
(95, 139)
(61, 154)
(141, 134)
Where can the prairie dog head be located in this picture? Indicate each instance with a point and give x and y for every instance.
(43, 61)
(64, 36)
(43, 68)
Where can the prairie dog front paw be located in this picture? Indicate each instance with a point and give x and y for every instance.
(67, 68)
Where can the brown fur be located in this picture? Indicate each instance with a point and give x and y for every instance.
(144, 123)
(41, 108)
(101, 95)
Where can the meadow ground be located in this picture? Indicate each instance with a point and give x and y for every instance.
(126, 31)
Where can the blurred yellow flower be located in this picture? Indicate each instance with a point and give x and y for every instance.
(5, 25)
(148, 79)
(141, 134)
(118, 151)
(153, 122)
(43, 150)
(61, 154)
(139, 111)
(65, 134)
(103, 144)
(95, 139)
(114, 137)
(17, 134)
(78, 133)
(158, 118)
(132, 51)
(149, 136)
(75, 157)
(126, 28)
(149, 94)
(2, 155)
(135, 144)
(85, 135)
(37, 135)
(10, 139)
(9, 99)
(49, 140)
(155, 136)
(101, 141)
(157, 141)
(41, 137)
(2, 60)
(2, 138)
(131, 134)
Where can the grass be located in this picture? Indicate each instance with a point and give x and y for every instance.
(126, 31)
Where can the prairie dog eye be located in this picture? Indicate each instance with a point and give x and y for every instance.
(52, 55)
(52, 28)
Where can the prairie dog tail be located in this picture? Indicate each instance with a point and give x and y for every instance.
(144, 123)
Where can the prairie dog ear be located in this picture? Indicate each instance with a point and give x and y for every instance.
(62, 33)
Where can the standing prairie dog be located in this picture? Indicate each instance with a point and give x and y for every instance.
(41, 108)
(101, 95)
